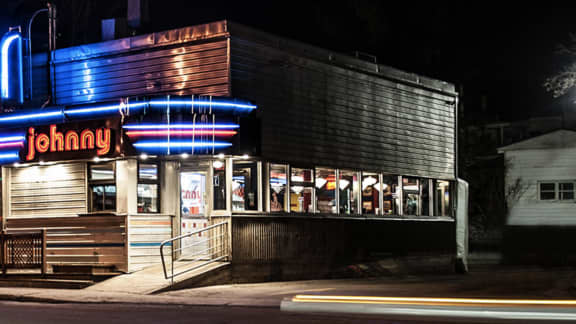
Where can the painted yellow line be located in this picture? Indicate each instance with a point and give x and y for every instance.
(417, 300)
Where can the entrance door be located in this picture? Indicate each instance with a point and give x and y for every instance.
(193, 211)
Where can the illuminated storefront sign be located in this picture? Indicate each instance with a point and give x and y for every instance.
(59, 142)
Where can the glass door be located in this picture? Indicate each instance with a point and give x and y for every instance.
(193, 211)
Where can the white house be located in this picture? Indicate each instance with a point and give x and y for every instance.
(540, 180)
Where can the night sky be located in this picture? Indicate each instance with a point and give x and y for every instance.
(500, 55)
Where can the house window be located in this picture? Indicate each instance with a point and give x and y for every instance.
(102, 185)
(245, 186)
(148, 188)
(301, 190)
(561, 190)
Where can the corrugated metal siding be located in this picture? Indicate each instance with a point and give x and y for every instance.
(333, 241)
(199, 68)
(48, 191)
(318, 113)
(525, 168)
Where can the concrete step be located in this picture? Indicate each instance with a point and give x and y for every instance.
(45, 283)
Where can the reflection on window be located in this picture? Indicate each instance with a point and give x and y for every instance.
(348, 183)
(301, 190)
(390, 193)
(411, 195)
(102, 187)
(219, 184)
(148, 188)
(278, 181)
(245, 186)
(442, 198)
(370, 193)
(326, 190)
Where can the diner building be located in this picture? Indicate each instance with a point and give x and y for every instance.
(315, 160)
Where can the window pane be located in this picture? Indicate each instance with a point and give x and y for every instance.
(389, 189)
(110, 197)
(442, 198)
(148, 198)
(326, 190)
(547, 191)
(104, 171)
(566, 186)
(301, 190)
(411, 195)
(370, 193)
(424, 197)
(148, 172)
(278, 177)
(566, 190)
(245, 186)
(348, 183)
(97, 198)
(219, 184)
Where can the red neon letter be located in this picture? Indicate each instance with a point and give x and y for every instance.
(31, 152)
(56, 140)
(72, 141)
(42, 143)
(87, 140)
(103, 140)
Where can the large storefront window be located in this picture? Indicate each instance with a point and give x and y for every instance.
(370, 193)
(245, 186)
(102, 183)
(326, 190)
(148, 188)
(278, 180)
(348, 183)
(424, 197)
(301, 190)
(442, 198)
(219, 184)
(390, 195)
(411, 196)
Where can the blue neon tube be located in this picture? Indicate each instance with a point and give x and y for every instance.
(180, 144)
(5, 69)
(180, 126)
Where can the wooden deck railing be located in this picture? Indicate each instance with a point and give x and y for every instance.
(23, 250)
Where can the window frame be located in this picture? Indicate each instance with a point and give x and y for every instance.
(149, 181)
(101, 183)
(304, 184)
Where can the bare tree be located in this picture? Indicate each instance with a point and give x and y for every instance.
(565, 79)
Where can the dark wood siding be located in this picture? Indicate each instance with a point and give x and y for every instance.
(314, 112)
(193, 68)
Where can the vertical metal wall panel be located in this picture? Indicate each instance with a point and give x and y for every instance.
(316, 112)
(190, 68)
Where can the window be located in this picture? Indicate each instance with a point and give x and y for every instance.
(278, 180)
(244, 186)
(148, 188)
(102, 184)
(562, 190)
(301, 190)
(390, 195)
(348, 185)
(424, 197)
(325, 190)
(219, 184)
(442, 198)
(411, 196)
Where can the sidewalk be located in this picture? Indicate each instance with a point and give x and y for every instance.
(490, 283)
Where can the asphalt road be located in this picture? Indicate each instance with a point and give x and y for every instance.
(20, 313)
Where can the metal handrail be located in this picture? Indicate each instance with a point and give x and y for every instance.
(180, 237)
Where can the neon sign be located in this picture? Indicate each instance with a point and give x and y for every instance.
(70, 141)
(7, 69)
